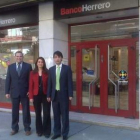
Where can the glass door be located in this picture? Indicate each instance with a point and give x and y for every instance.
(104, 76)
(121, 93)
(90, 77)
(87, 77)
(118, 78)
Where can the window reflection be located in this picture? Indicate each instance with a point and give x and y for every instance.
(23, 39)
(112, 30)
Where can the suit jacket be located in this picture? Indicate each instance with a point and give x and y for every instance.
(34, 83)
(17, 85)
(66, 86)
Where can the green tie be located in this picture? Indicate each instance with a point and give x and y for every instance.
(58, 78)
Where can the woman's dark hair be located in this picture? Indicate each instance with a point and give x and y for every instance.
(45, 70)
(58, 53)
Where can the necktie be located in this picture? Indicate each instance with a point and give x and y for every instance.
(18, 69)
(58, 78)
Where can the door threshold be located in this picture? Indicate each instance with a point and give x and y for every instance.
(105, 120)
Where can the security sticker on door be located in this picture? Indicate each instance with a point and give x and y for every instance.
(86, 57)
(122, 74)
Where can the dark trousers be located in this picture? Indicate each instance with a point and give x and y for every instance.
(61, 112)
(26, 113)
(43, 127)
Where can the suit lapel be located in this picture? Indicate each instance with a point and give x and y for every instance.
(43, 76)
(15, 69)
(36, 75)
(54, 73)
(62, 69)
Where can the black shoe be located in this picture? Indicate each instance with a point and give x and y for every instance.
(39, 134)
(65, 137)
(55, 137)
(47, 136)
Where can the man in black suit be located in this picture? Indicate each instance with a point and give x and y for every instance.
(16, 87)
(60, 91)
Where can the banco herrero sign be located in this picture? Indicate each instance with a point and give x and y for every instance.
(85, 8)
(7, 21)
(82, 8)
(19, 17)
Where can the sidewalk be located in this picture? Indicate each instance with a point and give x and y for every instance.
(78, 131)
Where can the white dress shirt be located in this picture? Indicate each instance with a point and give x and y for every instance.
(17, 65)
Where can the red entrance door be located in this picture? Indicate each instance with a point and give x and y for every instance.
(104, 75)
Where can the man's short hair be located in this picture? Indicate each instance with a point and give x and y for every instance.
(19, 52)
(58, 53)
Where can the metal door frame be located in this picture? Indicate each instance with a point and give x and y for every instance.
(103, 45)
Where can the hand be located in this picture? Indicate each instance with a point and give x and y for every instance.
(7, 96)
(31, 100)
(70, 98)
(28, 94)
(48, 99)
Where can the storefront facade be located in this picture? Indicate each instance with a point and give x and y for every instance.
(103, 51)
(100, 41)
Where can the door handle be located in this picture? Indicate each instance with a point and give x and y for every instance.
(132, 48)
(102, 58)
(77, 51)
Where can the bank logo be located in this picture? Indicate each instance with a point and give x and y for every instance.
(85, 8)
(122, 74)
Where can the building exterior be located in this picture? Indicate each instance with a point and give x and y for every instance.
(99, 39)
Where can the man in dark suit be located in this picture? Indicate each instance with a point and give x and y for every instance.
(60, 91)
(16, 87)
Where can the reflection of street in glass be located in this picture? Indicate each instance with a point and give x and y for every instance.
(4, 62)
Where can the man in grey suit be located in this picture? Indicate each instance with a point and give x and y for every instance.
(16, 88)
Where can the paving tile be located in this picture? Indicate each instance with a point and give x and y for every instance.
(78, 131)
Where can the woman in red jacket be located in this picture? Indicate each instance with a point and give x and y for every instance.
(37, 94)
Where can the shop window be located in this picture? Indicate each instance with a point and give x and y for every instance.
(105, 31)
(23, 39)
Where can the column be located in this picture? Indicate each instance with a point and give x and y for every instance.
(53, 34)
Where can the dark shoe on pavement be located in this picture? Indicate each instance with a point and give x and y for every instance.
(47, 136)
(27, 133)
(13, 132)
(55, 137)
(65, 138)
(39, 134)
